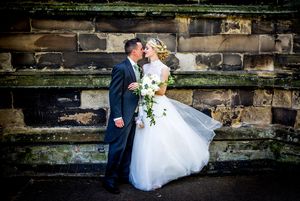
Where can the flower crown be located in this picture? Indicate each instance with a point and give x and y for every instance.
(158, 45)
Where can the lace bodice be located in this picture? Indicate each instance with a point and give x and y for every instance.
(154, 67)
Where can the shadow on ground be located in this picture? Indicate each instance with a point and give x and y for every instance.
(264, 187)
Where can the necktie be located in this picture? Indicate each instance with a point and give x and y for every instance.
(136, 72)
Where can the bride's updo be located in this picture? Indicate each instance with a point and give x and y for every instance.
(159, 47)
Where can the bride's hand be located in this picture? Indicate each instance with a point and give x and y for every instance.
(133, 86)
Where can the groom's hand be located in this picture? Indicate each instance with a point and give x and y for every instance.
(119, 123)
(133, 86)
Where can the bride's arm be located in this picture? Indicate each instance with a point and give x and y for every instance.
(164, 78)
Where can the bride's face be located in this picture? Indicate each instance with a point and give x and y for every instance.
(149, 51)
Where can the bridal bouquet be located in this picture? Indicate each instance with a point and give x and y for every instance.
(148, 85)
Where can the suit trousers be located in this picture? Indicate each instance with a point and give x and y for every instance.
(119, 155)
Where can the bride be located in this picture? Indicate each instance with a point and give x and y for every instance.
(177, 144)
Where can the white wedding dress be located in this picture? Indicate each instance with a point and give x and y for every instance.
(176, 146)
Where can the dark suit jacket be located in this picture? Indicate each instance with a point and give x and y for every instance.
(123, 102)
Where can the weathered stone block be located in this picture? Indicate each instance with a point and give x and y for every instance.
(61, 25)
(172, 62)
(267, 43)
(262, 97)
(286, 152)
(187, 62)
(228, 116)
(238, 116)
(68, 117)
(209, 61)
(6, 99)
(240, 150)
(82, 117)
(11, 118)
(168, 39)
(219, 43)
(5, 62)
(211, 97)
(183, 23)
(282, 81)
(137, 25)
(181, 95)
(284, 116)
(49, 60)
(295, 25)
(284, 26)
(232, 62)
(27, 99)
(62, 98)
(23, 60)
(116, 42)
(53, 135)
(288, 61)
(282, 98)
(263, 27)
(91, 60)
(204, 26)
(297, 120)
(236, 26)
(242, 97)
(280, 43)
(284, 43)
(256, 115)
(52, 98)
(13, 23)
(206, 110)
(58, 154)
(92, 42)
(94, 99)
(38, 42)
(296, 44)
(259, 62)
(296, 99)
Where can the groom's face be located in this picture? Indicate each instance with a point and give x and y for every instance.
(138, 51)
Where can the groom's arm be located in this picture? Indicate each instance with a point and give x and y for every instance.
(116, 91)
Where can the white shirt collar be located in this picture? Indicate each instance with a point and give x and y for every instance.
(132, 62)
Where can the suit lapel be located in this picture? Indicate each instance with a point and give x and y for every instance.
(130, 69)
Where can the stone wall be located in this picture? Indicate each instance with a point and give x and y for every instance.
(237, 63)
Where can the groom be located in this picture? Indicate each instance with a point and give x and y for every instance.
(121, 125)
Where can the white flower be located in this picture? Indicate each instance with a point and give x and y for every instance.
(143, 92)
(148, 85)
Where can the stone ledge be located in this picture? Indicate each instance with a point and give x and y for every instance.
(96, 135)
(81, 152)
(52, 135)
(98, 169)
(140, 9)
(183, 79)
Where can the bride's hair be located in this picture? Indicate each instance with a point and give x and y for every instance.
(159, 47)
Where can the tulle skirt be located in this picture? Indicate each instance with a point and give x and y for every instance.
(176, 146)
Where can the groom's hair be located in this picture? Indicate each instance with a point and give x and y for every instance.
(131, 44)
